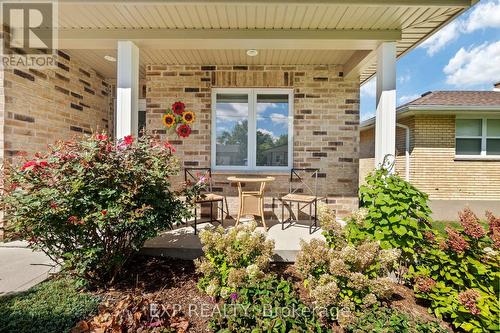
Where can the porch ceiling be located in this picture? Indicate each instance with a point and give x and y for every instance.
(220, 57)
(219, 32)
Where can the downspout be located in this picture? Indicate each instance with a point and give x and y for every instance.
(407, 150)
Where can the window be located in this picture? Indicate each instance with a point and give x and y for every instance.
(252, 129)
(477, 137)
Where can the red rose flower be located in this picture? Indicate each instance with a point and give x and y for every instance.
(73, 219)
(104, 212)
(101, 137)
(28, 165)
(168, 145)
(53, 205)
(178, 107)
(128, 140)
(183, 131)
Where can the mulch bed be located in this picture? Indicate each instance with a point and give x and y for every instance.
(169, 286)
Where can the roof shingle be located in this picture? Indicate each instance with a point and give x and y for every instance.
(462, 98)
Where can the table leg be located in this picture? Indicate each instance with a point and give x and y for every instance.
(261, 210)
(240, 210)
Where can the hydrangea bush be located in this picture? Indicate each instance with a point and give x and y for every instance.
(232, 259)
(349, 278)
(92, 203)
(459, 275)
(332, 230)
(270, 305)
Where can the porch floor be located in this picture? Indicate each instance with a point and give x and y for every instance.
(182, 243)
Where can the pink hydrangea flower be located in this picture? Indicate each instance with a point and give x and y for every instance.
(455, 241)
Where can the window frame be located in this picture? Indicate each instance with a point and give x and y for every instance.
(252, 129)
(484, 137)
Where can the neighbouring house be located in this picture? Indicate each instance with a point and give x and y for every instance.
(448, 145)
(274, 84)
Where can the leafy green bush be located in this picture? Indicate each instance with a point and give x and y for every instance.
(460, 275)
(232, 259)
(394, 212)
(351, 278)
(270, 305)
(54, 306)
(387, 320)
(94, 202)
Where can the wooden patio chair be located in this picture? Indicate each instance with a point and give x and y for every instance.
(208, 197)
(303, 194)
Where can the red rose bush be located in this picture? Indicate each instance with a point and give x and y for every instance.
(91, 204)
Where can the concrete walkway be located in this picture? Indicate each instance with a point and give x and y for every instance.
(182, 243)
(21, 268)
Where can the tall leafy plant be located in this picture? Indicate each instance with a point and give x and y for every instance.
(395, 213)
(92, 203)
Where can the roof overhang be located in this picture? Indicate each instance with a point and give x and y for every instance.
(218, 32)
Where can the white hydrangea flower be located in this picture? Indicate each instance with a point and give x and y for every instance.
(253, 270)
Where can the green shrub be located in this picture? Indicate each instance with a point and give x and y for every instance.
(270, 305)
(459, 275)
(54, 306)
(394, 212)
(94, 202)
(351, 278)
(232, 259)
(387, 320)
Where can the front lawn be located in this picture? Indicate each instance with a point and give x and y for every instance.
(53, 306)
(440, 226)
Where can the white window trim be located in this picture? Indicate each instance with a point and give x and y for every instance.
(484, 136)
(252, 129)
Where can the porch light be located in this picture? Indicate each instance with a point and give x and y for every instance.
(110, 58)
(252, 52)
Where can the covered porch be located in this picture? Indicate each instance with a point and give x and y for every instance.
(182, 243)
(290, 71)
(228, 60)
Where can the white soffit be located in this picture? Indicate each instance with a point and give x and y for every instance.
(324, 32)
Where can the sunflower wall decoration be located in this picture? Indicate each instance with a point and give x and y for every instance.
(179, 119)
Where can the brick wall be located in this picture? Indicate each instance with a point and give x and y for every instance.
(326, 118)
(367, 149)
(2, 119)
(44, 106)
(433, 168)
(39, 107)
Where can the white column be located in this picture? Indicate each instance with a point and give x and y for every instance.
(127, 89)
(385, 123)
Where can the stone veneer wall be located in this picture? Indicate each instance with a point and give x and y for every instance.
(326, 119)
(39, 107)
